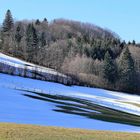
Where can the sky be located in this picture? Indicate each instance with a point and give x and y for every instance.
(120, 16)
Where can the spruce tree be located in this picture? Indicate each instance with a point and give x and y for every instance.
(127, 70)
(134, 42)
(37, 22)
(109, 68)
(8, 22)
(32, 42)
(18, 35)
(45, 21)
(43, 39)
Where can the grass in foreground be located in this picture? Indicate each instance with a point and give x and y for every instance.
(10, 131)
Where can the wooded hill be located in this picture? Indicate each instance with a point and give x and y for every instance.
(92, 55)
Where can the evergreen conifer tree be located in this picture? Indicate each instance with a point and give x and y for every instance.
(8, 22)
(37, 22)
(32, 42)
(18, 35)
(109, 68)
(43, 39)
(126, 70)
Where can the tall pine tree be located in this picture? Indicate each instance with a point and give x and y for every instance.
(18, 34)
(127, 70)
(8, 22)
(42, 39)
(7, 34)
(109, 68)
(18, 37)
(32, 43)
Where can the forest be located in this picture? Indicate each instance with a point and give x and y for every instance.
(93, 56)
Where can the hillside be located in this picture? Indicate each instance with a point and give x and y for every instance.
(89, 54)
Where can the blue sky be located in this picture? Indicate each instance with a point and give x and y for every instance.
(121, 16)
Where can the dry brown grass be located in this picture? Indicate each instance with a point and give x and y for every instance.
(30, 132)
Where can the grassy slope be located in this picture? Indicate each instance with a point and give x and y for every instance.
(29, 132)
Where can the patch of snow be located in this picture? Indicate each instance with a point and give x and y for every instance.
(14, 107)
(15, 62)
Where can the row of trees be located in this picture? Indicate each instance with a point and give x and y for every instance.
(95, 56)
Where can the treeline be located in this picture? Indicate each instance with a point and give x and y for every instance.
(90, 54)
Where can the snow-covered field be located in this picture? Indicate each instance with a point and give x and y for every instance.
(21, 64)
(15, 107)
(25, 100)
(16, 66)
